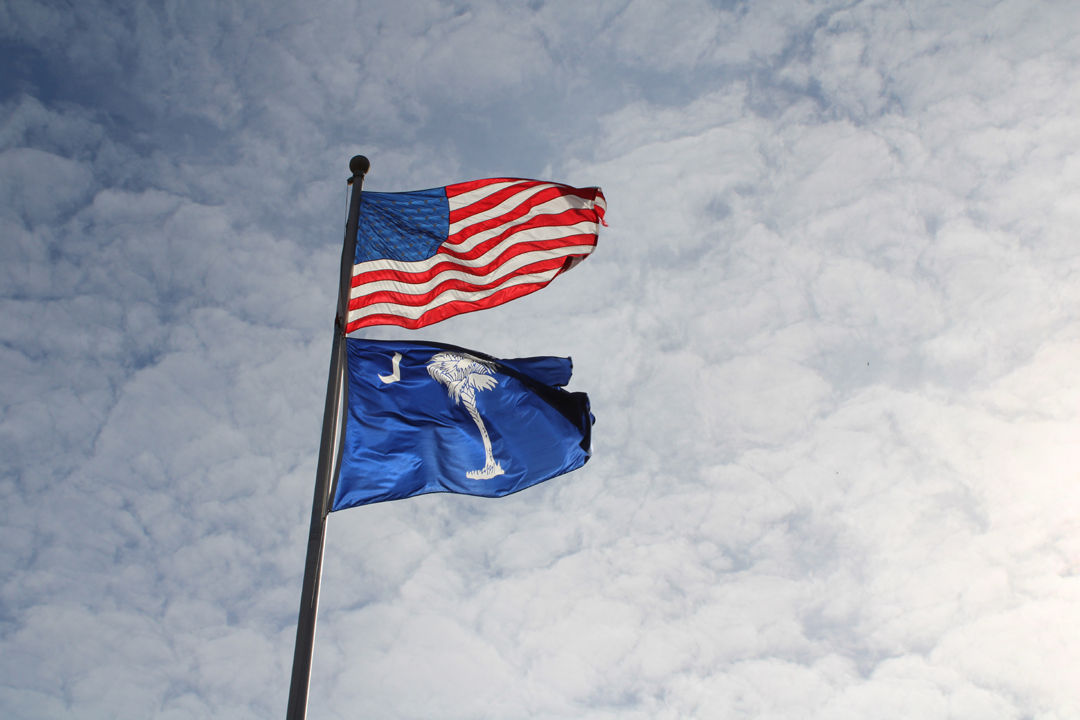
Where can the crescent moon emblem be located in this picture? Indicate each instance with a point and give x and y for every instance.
(396, 375)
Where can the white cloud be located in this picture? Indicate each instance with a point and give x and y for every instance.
(830, 339)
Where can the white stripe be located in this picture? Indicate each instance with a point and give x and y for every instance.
(508, 268)
(551, 207)
(499, 210)
(538, 234)
(413, 313)
(468, 198)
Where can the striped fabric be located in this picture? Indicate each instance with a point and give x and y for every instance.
(422, 257)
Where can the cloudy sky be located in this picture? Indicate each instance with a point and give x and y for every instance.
(831, 337)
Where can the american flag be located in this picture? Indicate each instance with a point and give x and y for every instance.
(424, 256)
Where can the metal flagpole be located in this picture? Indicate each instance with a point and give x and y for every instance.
(329, 461)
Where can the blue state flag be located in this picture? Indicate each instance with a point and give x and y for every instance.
(427, 417)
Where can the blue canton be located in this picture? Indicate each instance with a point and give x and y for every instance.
(407, 226)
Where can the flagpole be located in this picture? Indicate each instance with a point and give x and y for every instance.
(328, 461)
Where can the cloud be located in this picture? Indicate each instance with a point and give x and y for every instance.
(829, 337)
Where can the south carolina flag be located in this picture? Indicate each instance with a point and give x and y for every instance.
(424, 256)
(427, 417)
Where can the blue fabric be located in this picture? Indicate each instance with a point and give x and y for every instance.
(407, 226)
(406, 435)
(553, 371)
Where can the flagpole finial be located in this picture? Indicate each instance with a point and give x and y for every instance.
(359, 166)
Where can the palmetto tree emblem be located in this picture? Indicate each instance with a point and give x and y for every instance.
(463, 376)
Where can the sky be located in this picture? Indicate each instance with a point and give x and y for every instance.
(831, 337)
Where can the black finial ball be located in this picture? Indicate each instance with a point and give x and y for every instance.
(359, 165)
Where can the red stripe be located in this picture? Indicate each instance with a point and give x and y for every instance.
(409, 300)
(516, 211)
(600, 212)
(498, 198)
(457, 307)
(464, 187)
(563, 219)
(516, 214)
(511, 252)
